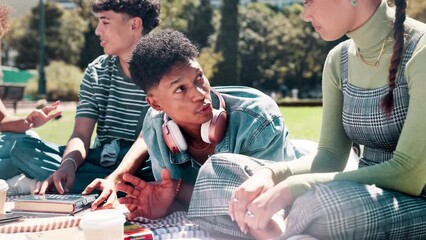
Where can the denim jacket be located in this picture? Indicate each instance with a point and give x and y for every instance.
(255, 127)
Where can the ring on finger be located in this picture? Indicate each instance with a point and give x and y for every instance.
(250, 213)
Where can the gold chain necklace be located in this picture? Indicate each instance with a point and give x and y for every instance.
(375, 63)
(199, 150)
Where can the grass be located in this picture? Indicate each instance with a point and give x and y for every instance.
(58, 131)
(302, 122)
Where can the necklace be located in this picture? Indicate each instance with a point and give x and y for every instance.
(375, 63)
(200, 150)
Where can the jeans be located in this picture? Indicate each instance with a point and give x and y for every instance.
(7, 141)
(38, 160)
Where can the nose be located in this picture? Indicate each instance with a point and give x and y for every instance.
(97, 30)
(198, 93)
(307, 17)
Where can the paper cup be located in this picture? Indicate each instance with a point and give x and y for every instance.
(3, 190)
(103, 224)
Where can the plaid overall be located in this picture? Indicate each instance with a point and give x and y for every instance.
(349, 210)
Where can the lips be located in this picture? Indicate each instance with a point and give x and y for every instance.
(102, 43)
(206, 108)
(317, 27)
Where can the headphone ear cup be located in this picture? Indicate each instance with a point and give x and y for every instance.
(173, 137)
(214, 130)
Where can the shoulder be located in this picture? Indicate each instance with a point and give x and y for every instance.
(415, 66)
(238, 94)
(333, 57)
(153, 119)
(331, 70)
(102, 62)
(246, 99)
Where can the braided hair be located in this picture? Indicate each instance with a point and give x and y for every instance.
(398, 35)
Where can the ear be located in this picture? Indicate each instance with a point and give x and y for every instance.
(153, 103)
(137, 24)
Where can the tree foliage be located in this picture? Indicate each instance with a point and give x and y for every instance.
(200, 25)
(63, 81)
(64, 37)
(227, 45)
(91, 48)
(192, 17)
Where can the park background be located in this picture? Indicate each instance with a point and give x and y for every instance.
(261, 44)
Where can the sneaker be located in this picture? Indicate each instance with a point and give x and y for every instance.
(20, 185)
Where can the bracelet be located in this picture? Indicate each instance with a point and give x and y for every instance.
(178, 187)
(72, 160)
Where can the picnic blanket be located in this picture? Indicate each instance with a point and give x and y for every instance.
(173, 226)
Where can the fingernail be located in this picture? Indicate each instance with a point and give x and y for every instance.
(232, 218)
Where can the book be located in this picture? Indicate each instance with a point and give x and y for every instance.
(9, 217)
(54, 203)
(135, 232)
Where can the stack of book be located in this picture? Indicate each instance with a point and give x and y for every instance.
(54, 203)
(54, 212)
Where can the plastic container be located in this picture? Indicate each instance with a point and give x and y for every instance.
(3, 192)
(103, 225)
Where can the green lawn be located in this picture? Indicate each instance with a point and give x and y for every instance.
(58, 131)
(302, 122)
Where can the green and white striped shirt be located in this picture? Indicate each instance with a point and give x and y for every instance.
(112, 99)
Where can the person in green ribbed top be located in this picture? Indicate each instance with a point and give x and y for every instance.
(374, 88)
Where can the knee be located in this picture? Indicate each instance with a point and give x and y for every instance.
(19, 151)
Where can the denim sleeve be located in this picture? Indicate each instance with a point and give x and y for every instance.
(151, 133)
(263, 138)
(270, 141)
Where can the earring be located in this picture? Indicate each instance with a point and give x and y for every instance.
(353, 2)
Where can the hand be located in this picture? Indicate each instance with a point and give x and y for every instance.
(41, 116)
(65, 174)
(261, 210)
(260, 182)
(153, 199)
(108, 194)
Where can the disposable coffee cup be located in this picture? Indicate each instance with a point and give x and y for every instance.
(3, 190)
(103, 224)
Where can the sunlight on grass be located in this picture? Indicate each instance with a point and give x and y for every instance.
(58, 131)
(303, 122)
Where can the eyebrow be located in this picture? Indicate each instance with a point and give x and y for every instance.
(104, 18)
(175, 81)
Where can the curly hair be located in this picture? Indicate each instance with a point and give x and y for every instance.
(4, 19)
(147, 10)
(156, 54)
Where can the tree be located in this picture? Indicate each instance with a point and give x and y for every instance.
(200, 25)
(175, 13)
(304, 62)
(91, 48)
(227, 45)
(255, 32)
(64, 37)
